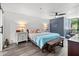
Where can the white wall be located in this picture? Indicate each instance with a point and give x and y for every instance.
(11, 21)
(73, 13)
(6, 28)
(0, 33)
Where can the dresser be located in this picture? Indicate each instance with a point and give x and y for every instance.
(21, 36)
(73, 48)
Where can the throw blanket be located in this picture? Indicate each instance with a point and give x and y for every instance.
(44, 38)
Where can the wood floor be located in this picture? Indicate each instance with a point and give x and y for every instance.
(29, 49)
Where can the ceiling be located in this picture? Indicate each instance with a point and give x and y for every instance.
(42, 10)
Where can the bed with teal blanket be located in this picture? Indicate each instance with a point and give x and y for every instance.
(40, 39)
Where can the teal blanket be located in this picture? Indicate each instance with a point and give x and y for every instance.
(44, 38)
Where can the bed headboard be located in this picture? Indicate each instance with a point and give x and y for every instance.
(37, 30)
(27, 30)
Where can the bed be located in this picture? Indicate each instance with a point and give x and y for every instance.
(40, 39)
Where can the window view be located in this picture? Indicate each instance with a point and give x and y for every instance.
(74, 25)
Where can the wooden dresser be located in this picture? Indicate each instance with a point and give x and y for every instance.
(73, 48)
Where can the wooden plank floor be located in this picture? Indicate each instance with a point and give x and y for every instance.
(29, 49)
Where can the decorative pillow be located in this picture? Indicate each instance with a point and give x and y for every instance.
(37, 30)
(31, 30)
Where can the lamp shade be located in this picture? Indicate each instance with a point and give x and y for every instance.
(45, 26)
(22, 25)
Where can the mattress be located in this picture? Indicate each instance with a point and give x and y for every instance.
(41, 38)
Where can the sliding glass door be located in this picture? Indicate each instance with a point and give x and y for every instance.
(75, 25)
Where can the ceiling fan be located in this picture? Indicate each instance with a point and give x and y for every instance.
(57, 14)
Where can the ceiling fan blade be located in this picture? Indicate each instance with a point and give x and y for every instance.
(57, 14)
(62, 14)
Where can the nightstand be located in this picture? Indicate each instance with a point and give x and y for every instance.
(21, 36)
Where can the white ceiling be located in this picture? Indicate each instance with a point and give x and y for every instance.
(33, 9)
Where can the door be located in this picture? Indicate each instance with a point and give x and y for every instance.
(57, 25)
(0, 30)
(60, 23)
(53, 26)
